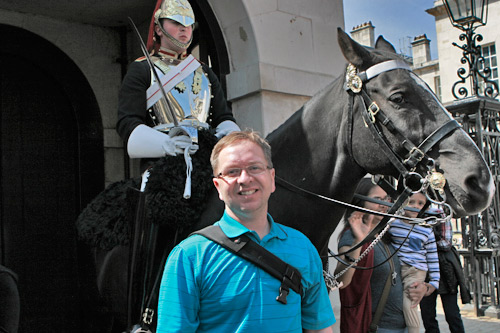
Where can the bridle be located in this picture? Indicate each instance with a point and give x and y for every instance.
(375, 119)
(432, 184)
(414, 157)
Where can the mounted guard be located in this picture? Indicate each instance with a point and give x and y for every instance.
(189, 97)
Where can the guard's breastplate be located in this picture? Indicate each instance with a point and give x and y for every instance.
(189, 99)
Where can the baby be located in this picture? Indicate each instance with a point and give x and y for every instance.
(418, 255)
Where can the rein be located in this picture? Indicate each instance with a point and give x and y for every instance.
(294, 188)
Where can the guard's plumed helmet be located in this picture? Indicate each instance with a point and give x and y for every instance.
(176, 10)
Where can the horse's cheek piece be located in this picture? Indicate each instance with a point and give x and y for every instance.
(353, 81)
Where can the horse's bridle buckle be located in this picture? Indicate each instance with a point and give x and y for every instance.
(415, 155)
(373, 109)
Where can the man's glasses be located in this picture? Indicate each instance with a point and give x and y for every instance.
(231, 174)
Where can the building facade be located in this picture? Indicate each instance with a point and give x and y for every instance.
(441, 73)
(450, 57)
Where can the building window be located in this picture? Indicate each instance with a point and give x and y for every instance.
(437, 86)
(489, 54)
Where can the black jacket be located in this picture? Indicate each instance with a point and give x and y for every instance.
(452, 275)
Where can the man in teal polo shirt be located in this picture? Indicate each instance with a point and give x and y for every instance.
(206, 288)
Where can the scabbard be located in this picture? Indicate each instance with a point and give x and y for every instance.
(141, 256)
(135, 257)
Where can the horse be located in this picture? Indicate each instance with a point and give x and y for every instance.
(345, 131)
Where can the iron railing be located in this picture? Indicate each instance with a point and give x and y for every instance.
(479, 243)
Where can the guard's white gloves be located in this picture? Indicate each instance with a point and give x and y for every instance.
(226, 127)
(176, 145)
(146, 142)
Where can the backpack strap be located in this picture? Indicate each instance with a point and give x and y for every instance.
(246, 248)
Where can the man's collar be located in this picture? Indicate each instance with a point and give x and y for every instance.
(163, 52)
(233, 228)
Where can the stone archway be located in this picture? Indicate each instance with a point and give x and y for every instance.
(51, 148)
(280, 54)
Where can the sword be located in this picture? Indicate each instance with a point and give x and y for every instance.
(152, 67)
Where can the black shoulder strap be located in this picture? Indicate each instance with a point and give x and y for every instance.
(385, 293)
(244, 247)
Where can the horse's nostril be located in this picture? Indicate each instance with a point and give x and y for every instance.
(472, 182)
(480, 188)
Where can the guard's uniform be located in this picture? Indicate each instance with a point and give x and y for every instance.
(132, 99)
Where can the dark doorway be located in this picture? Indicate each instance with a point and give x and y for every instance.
(51, 165)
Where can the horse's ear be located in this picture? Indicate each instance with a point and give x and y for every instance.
(384, 45)
(354, 53)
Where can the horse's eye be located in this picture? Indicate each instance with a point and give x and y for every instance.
(397, 98)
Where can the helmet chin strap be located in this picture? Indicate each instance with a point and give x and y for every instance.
(173, 40)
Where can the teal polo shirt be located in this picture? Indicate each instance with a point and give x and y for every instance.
(205, 288)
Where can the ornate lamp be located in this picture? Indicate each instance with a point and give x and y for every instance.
(463, 13)
(467, 15)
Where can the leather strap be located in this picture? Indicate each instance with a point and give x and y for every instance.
(382, 67)
(244, 247)
(438, 134)
(385, 294)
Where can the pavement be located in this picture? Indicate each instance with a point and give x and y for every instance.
(472, 323)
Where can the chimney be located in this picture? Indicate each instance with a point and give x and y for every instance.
(364, 34)
(421, 49)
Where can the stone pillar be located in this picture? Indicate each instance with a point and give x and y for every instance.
(281, 53)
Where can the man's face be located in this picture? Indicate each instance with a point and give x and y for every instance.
(245, 195)
(178, 31)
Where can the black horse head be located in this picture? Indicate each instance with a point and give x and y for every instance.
(416, 112)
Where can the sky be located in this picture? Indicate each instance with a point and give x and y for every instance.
(399, 21)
